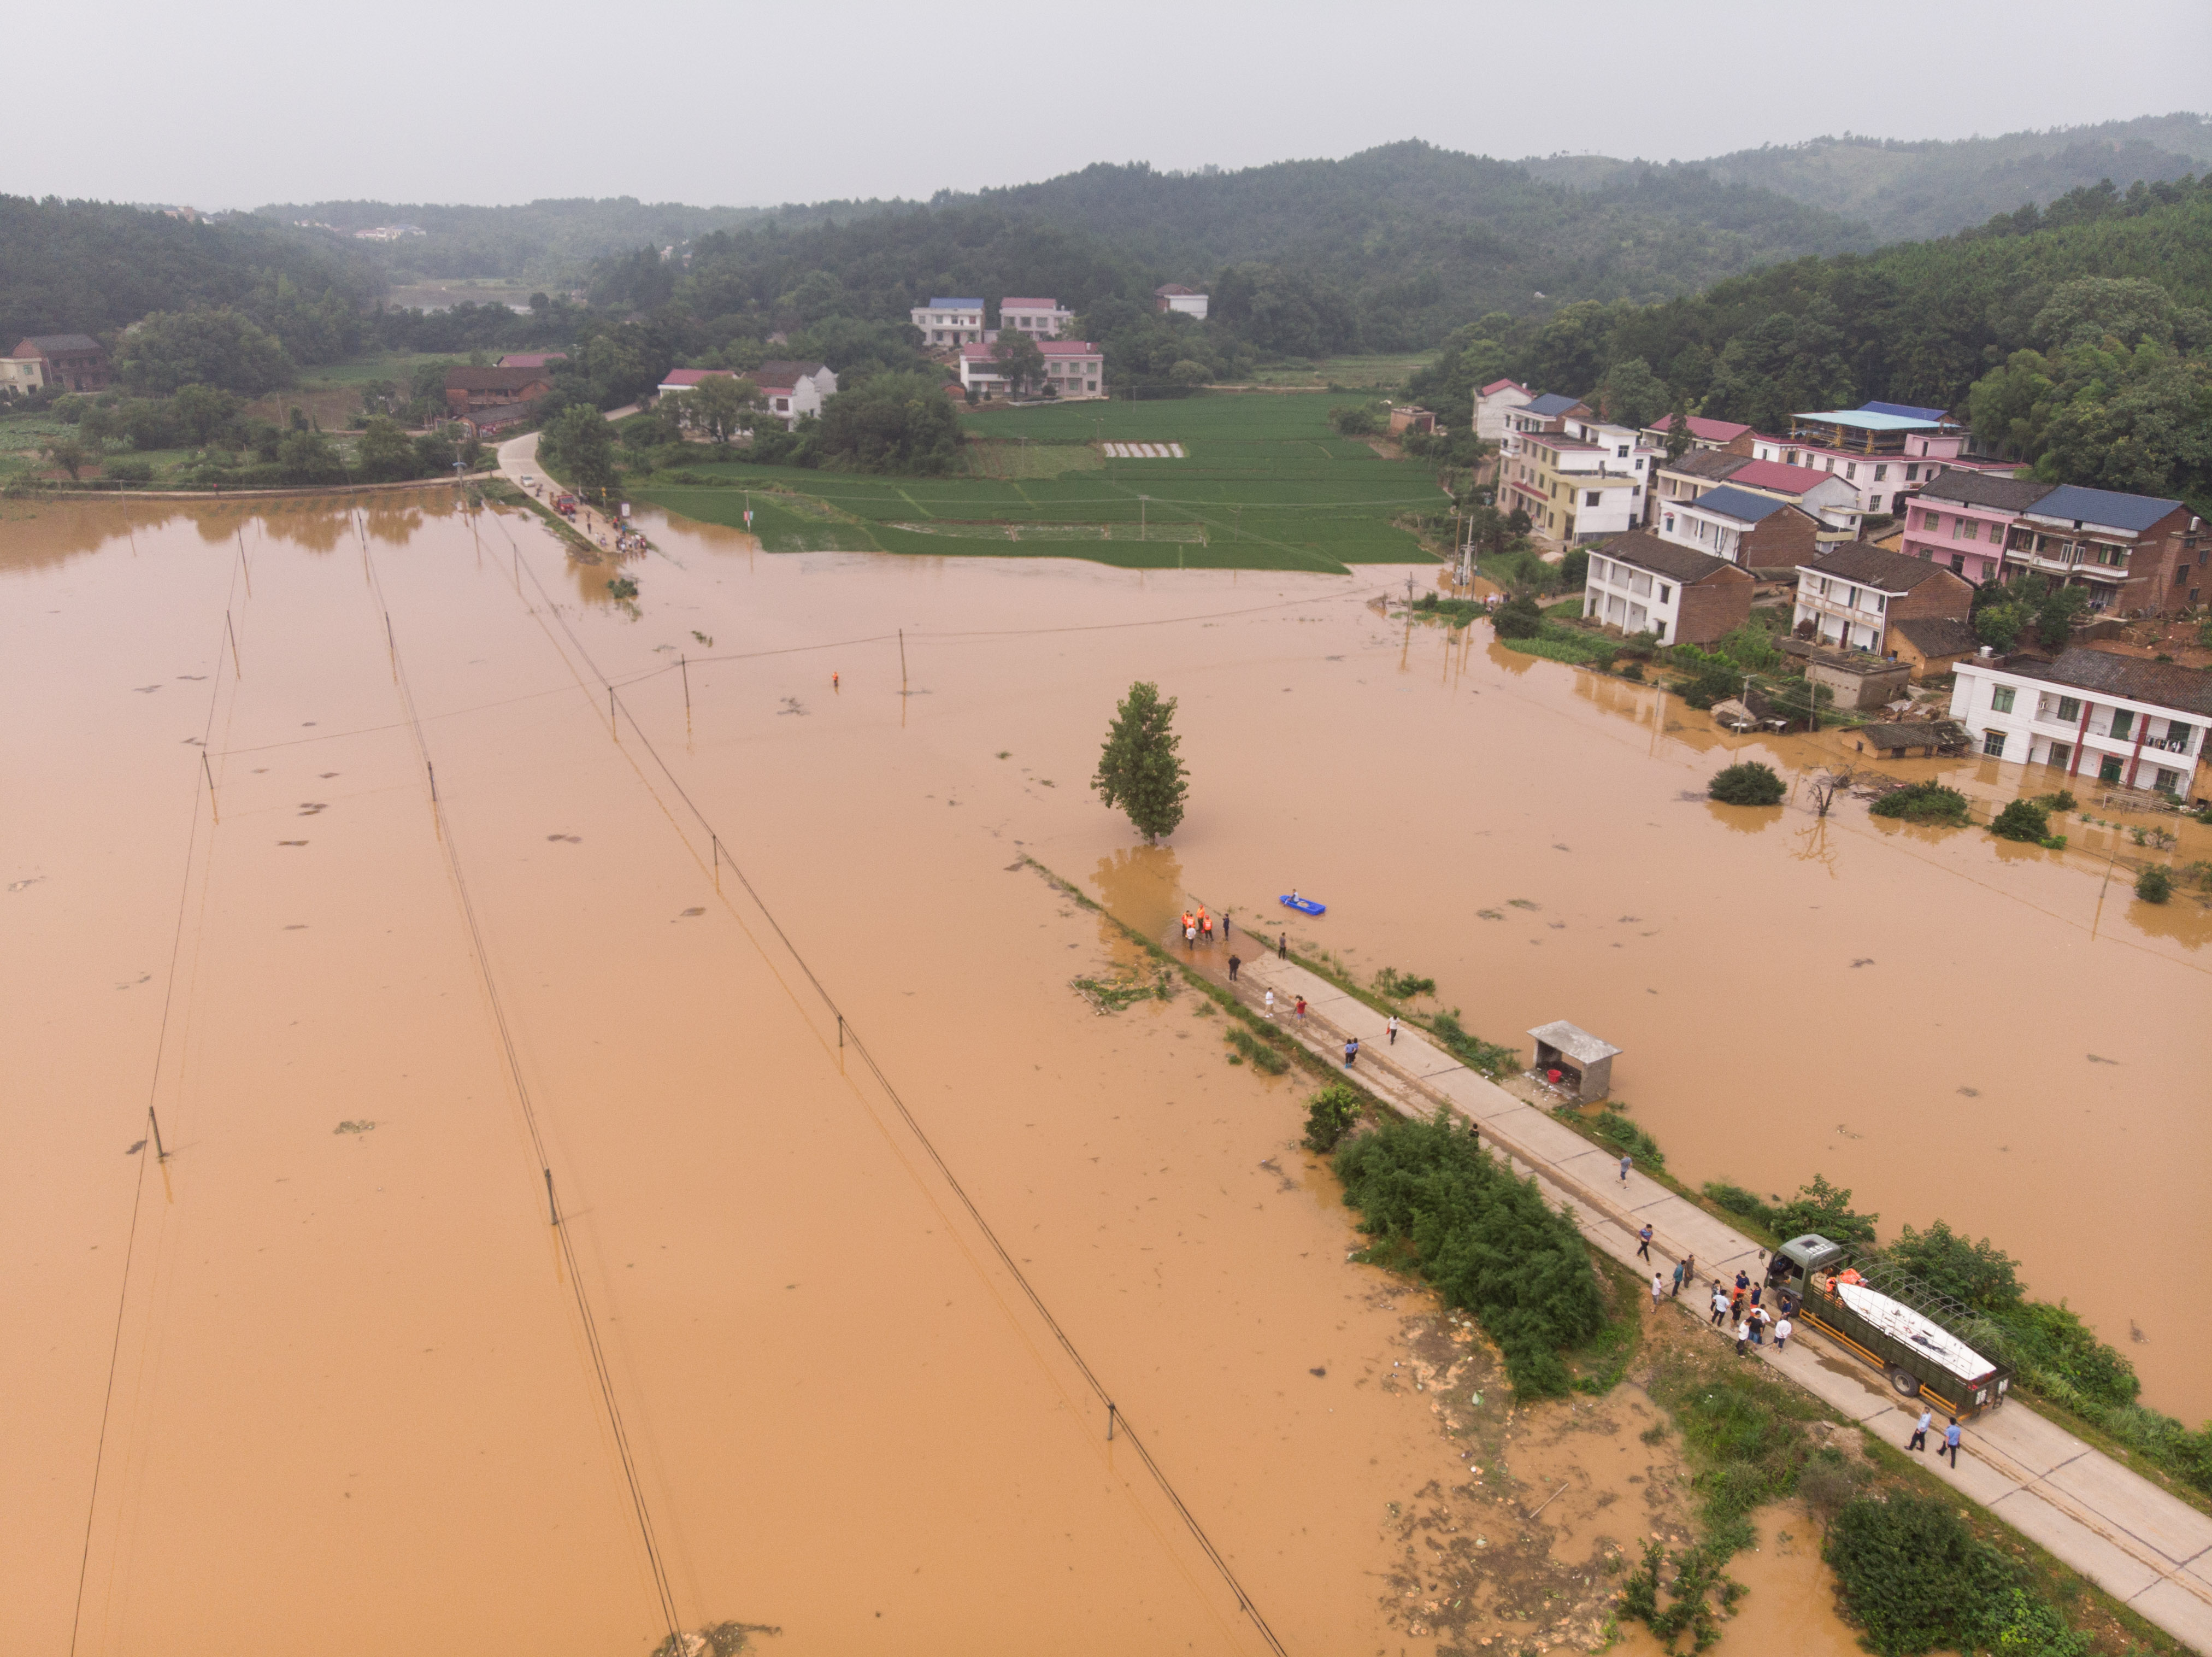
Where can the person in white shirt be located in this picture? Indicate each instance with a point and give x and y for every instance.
(1720, 1303)
(1920, 1430)
(1782, 1331)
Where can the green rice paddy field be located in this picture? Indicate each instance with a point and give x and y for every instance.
(1264, 485)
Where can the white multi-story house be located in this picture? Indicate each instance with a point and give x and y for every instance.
(1853, 594)
(1492, 404)
(1072, 368)
(1041, 319)
(950, 321)
(2092, 715)
(1578, 478)
(1640, 583)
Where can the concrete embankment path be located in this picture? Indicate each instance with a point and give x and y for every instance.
(2140, 1545)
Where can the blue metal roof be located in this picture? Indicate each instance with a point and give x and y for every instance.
(2105, 507)
(959, 304)
(1552, 403)
(1868, 420)
(1738, 504)
(1906, 410)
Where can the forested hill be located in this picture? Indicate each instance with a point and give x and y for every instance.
(550, 242)
(92, 267)
(2078, 336)
(1914, 190)
(1419, 238)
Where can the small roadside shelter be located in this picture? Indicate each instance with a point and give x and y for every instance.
(1584, 1062)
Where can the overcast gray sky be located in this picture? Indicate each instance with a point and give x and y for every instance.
(248, 101)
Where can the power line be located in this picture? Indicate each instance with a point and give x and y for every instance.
(850, 1037)
(602, 1373)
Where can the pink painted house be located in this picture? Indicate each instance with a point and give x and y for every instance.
(1961, 521)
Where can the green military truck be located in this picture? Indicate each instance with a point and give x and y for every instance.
(1895, 1322)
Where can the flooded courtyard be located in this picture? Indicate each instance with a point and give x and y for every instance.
(394, 864)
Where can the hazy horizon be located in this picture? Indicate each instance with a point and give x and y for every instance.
(763, 108)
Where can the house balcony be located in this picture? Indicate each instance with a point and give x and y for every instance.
(2058, 564)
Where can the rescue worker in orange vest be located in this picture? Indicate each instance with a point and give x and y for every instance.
(1189, 927)
(1205, 925)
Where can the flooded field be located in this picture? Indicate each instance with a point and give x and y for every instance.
(357, 1375)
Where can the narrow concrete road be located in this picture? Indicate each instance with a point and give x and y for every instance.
(2140, 1545)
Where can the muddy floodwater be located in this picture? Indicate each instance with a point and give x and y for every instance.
(324, 845)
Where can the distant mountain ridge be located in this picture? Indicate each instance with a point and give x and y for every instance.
(1916, 189)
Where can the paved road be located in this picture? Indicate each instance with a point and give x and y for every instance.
(2123, 1532)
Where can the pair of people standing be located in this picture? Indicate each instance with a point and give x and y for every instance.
(1951, 1436)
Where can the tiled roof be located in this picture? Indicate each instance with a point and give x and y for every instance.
(492, 379)
(2166, 684)
(1552, 403)
(1773, 474)
(1876, 567)
(58, 342)
(1710, 431)
(694, 376)
(1710, 464)
(1938, 636)
(782, 376)
(1741, 504)
(1905, 410)
(532, 359)
(1171, 289)
(2102, 508)
(956, 304)
(1647, 551)
(1974, 489)
(1048, 347)
(1497, 386)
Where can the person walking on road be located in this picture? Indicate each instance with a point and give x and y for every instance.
(1644, 1244)
(1919, 1440)
(1626, 1163)
(1302, 1006)
(1720, 1304)
(1233, 964)
(1351, 1050)
(1950, 1444)
(1271, 1003)
(1781, 1333)
(1392, 1027)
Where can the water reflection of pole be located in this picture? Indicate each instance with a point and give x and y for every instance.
(233, 631)
(242, 563)
(213, 804)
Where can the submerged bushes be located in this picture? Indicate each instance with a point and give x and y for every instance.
(1916, 1578)
(1486, 1241)
(1330, 1115)
(1923, 802)
(1746, 783)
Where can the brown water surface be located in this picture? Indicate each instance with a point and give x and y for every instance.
(352, 1383)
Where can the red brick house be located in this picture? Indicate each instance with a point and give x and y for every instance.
(1855, 595)
(477, 388)
(74, 362)
(1640, 584)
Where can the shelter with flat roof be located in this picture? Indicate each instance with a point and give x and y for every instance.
(1584, 1062)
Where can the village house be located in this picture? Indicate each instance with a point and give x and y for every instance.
(1879, 451)
(1073, 368)
(69, 361)
(1852, 595)
(1491, 405)
(1931, 646)
(1174, 296)
(1857, 679)
(1042, 319)
(21, 375)
(1640, 583)
(532, 359)
(1755, 530)
(950, 321)
(1579, 481)
(2090, 713)
(690, 379)
(1545, 411)
(794, 390)
(1962, 520)
(470, 389)
(1725, 435)
(1830, 501)
(2134, 553)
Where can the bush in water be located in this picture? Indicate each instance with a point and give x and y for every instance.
(1330, 1115)
(1748, 783)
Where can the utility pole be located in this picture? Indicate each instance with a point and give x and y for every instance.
(1141, 499)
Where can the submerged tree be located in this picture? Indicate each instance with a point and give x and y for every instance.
(1138, 770)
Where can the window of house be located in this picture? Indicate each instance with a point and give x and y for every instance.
(1620, 452)
(1931, 521)
(1973, 530)
(1666, 594)
(1880, 473)
(1669, 520)
(2000, 699)
(2123, 723)
(2169, 782)
(1993, 744)
(2069, 707)
(1912, 474)
(1592, 497)
(1850, 469)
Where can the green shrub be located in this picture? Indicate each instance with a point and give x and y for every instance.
(1617, 1129)
(2061, 800)
(1913, 1577)
(128, 472)
(1923, 802)
(2023, 820)
(1262, 1056)
(1468, 1048)
(1748, 783)
(1486, 1241)
(1392, 985)
(1330, 1115)
(2155, 884)
(1518, 617)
